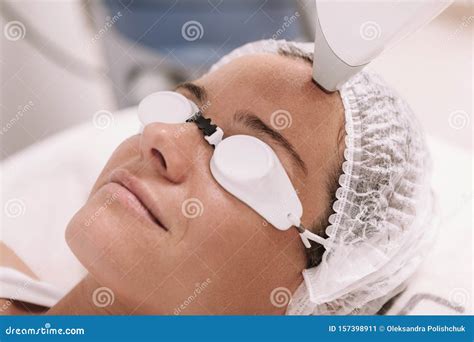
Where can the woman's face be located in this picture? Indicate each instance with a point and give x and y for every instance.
(167, 239)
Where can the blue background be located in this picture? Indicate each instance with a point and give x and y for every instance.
(232, 328)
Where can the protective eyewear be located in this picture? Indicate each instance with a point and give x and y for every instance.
(243, 165)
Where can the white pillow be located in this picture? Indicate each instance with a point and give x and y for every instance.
(46, 183)
(444, 284)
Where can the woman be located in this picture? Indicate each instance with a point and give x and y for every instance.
(356, 159)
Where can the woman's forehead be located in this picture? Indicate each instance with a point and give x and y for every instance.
(269, 71)
(273, 86)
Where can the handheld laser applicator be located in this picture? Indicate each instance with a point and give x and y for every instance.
(350, 34)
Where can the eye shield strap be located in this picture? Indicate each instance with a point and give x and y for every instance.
(212, 133)
(307, 235)
(243, 165)
(203, 124)
(210, 130)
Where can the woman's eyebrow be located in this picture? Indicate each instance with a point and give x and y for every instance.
(199, 92)
(253, 122)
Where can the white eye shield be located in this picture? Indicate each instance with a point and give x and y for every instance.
(243, 165)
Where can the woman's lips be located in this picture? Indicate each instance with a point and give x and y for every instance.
(138, 199)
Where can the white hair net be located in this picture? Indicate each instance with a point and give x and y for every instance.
(382, 225)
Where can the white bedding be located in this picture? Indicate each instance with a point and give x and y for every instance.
(48, 182)
(45, 184)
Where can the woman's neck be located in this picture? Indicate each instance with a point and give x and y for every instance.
(79, 301)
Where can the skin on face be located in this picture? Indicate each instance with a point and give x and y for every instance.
(222, 258)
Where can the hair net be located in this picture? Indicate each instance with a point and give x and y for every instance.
(382, 225)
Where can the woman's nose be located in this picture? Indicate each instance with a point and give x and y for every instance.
(168, 149)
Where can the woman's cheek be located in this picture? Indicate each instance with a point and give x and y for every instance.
(206, 212)
(111, 248)
(125, 152)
